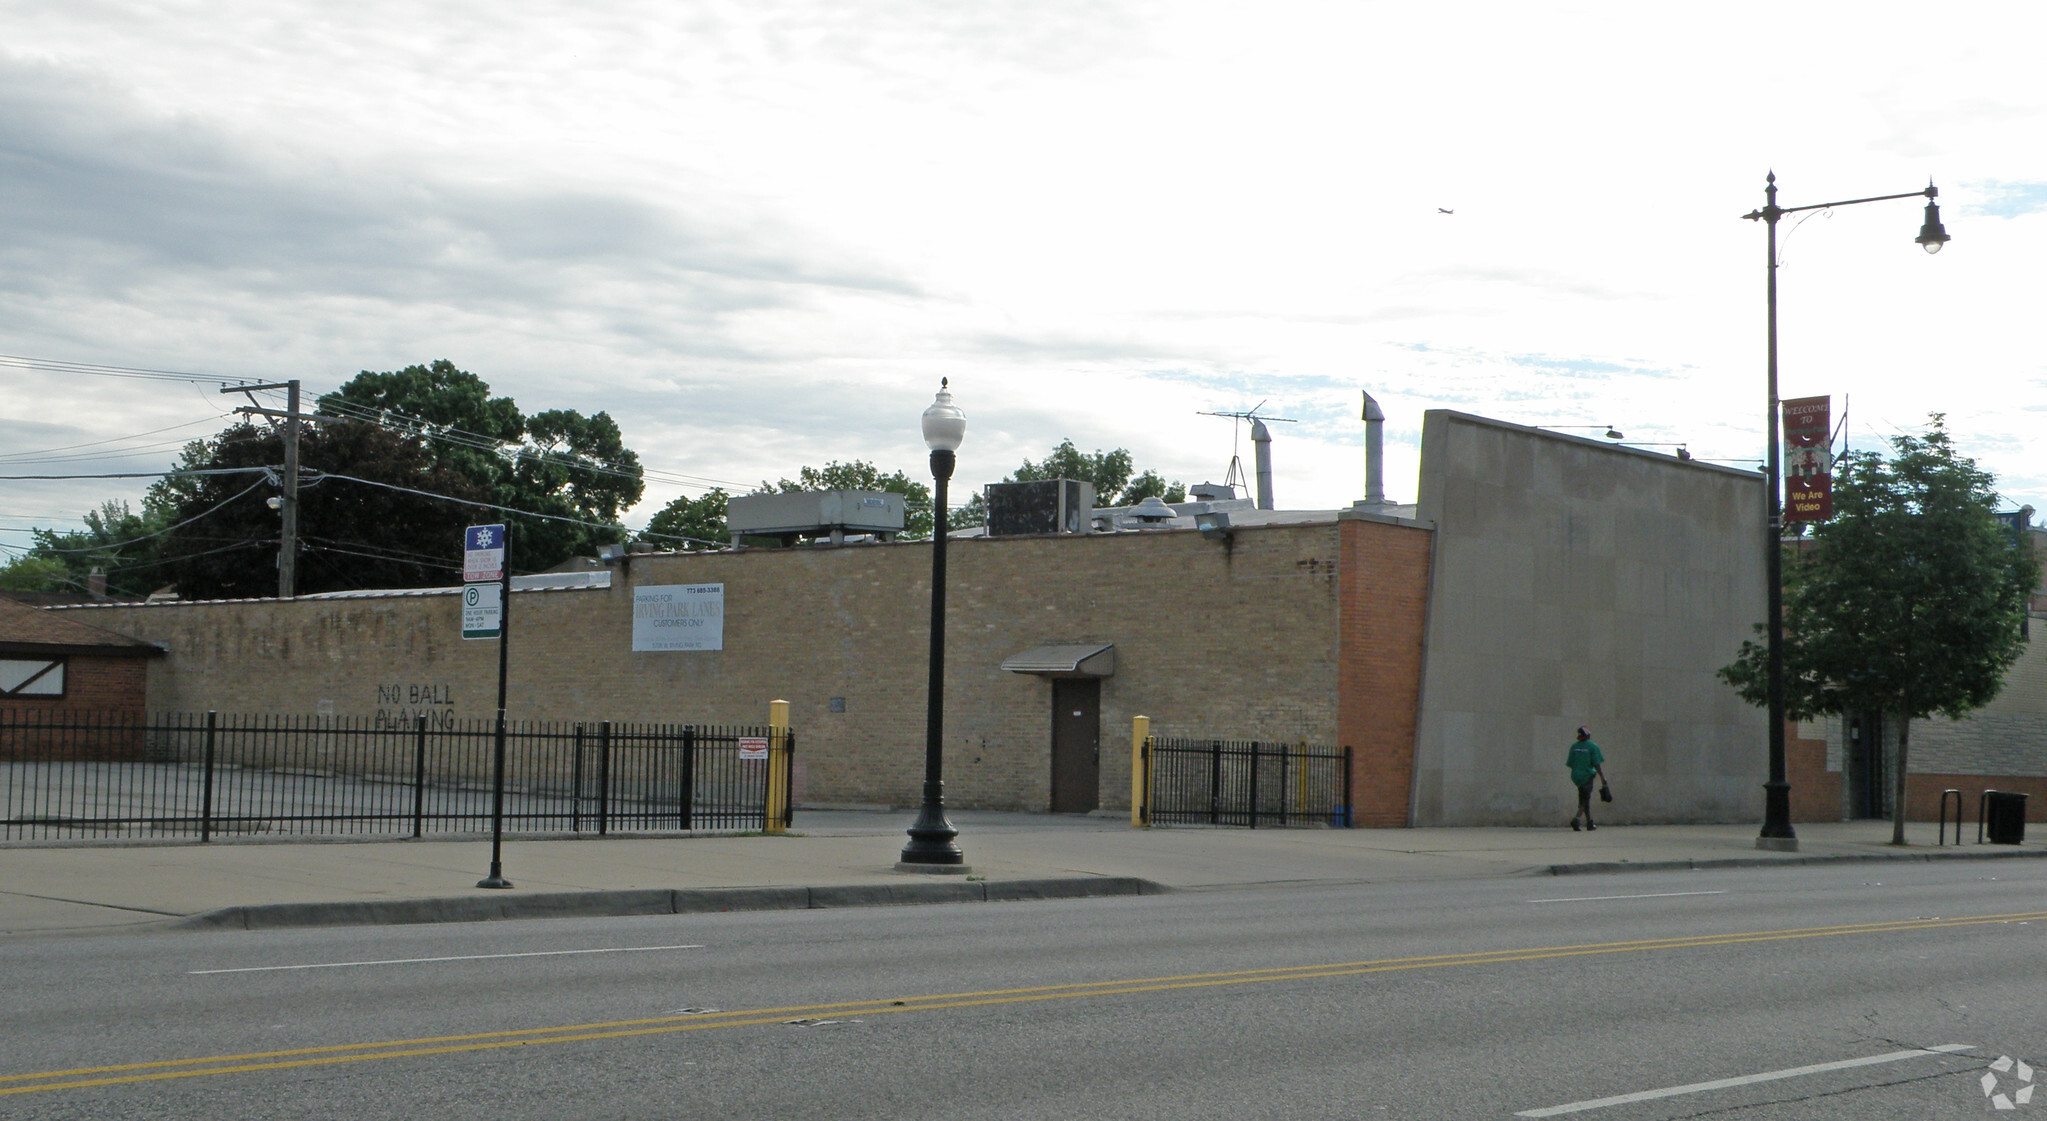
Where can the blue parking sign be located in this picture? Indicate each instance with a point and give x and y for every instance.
(483, 553)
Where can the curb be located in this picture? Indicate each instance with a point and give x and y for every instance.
(657, 901)
(1775, 861)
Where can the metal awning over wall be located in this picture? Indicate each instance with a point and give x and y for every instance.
(1081, 659)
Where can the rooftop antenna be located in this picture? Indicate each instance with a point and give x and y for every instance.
(1236, 478)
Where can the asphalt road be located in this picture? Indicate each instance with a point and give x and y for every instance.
(1822, 992)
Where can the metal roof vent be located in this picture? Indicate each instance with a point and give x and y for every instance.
(1153, 511)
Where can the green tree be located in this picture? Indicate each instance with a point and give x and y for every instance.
(120, 543)
(1910, 601)
(862, 475)
(352, 534)
(692, 523)
(558, 462)
(31, 573)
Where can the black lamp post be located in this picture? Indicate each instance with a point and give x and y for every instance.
(1777, 832)
(932, 847)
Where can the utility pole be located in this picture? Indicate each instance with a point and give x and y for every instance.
(288, 501)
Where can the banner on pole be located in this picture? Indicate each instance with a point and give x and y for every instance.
(1808, 459)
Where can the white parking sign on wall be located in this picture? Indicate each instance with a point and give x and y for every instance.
(679, 617)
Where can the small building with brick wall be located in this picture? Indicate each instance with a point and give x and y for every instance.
(58, 666)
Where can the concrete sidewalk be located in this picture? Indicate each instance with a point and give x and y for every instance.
(835, 858)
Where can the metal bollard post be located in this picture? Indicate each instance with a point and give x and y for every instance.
(775, 815)
(1140, 730)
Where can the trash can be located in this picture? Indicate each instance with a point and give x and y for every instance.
(2004, 818)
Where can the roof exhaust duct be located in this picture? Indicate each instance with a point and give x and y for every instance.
(1375, 454)
(1261, 454)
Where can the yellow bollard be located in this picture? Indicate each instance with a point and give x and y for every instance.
(778, 766)
(1140, 730)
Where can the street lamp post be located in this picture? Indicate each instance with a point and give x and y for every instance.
(932, 847)
(1777, 832)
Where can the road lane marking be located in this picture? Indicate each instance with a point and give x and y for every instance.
(1746, 1080)
(160, 1070)
(419, 961)
(1651, 895)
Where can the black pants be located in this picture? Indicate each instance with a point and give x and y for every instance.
(1585, 799)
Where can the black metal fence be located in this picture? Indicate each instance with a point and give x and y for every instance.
(204, 774)
(1234, 782)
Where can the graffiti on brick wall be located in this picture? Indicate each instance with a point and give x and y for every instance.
(399, 704)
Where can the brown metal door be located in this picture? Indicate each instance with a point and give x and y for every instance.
(1076, 744)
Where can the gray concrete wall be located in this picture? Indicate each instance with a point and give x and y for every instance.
(1578, 582)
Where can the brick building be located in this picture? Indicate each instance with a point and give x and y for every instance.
(1540, 582)
(56, 665)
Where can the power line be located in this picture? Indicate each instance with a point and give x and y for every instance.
(159, 533)
(59, 366)
(152, 474)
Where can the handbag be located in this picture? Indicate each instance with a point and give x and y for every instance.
(1605, 793)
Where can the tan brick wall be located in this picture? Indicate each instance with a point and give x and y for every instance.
(1384, 590)
(1236, 640)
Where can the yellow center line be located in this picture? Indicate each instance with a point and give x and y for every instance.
(162, 1070)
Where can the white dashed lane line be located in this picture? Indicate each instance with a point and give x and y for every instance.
(1746, 1080)
(1651, 895)
(423, 961)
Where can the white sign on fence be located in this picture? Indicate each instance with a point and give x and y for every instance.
(753, 747)
(679, 617)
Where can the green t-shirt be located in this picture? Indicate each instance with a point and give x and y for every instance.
(1584, 761)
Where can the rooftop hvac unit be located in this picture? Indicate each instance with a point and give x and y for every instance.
(1040, 506)
(815, 513)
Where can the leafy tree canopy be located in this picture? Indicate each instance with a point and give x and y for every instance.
(691, 523)
(1911, 599)
(558, 462)
(120, 543)
(352, 534)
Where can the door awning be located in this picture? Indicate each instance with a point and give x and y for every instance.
(1081, 659)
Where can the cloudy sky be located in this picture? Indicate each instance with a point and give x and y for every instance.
(759, 233)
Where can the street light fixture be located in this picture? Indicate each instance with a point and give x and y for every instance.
(932, 847)
(1777, 832)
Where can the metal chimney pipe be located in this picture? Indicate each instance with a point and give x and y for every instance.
(1375, 464)
(1261, 453)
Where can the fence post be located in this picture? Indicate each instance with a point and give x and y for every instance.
(1140, 728)
(206, 785)
(576, 785)
(788, 779)
(1254, 784)
(418, 774)
(775, 814)
(1349, 811)
(1215, 781)
(686, 776)
(603, 778)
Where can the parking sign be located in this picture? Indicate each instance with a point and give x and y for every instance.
(483, 553)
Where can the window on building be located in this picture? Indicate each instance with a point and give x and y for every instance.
(31, 677)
